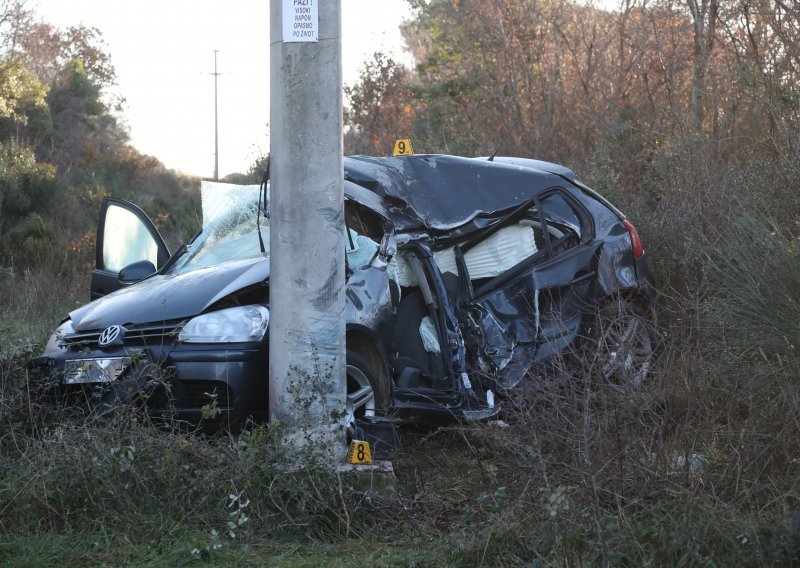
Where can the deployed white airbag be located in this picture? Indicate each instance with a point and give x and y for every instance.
(493, 256)
(430, 339)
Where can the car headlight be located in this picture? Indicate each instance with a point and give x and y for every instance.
(65, 328)
(231, 325)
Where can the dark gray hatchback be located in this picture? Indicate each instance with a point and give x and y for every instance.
(464, 276)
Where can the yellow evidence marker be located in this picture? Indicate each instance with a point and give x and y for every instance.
(402, 147)
(359, 452)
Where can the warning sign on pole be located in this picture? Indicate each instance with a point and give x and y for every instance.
(300, 20)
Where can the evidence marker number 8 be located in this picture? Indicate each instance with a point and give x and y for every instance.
(360, 452)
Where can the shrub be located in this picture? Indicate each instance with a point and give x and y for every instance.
(29, 242)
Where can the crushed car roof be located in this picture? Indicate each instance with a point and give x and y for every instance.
(442, 192)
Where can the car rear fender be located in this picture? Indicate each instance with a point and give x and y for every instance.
(616, 266)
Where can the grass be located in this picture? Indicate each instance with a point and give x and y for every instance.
(197, 548)
(35, 300)
(476, 494)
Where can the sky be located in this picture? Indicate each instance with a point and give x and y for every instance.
(163, 52)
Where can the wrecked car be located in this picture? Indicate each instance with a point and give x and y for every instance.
(464, 275)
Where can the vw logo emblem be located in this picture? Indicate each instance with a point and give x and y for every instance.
(110, 335)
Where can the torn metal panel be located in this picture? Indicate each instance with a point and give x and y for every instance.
(501, 324)
(444, 192)
(368, 300)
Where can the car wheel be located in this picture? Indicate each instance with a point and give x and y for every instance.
(625, 344)
(367, 389)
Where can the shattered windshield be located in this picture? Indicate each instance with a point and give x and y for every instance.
(229, 228)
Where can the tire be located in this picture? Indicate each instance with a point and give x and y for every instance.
(367, 388)
(625, 344)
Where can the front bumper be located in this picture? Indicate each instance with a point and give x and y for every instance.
(214, 386)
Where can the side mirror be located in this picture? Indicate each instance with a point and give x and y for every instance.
(136, 271)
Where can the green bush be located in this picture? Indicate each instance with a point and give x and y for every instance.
(31, 241)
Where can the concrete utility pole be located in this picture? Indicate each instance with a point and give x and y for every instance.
(216, 121)
(307, 328)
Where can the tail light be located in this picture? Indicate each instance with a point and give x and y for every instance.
(638, 249)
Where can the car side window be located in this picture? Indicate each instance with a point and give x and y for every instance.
(561, 225)
(365, 232)
(126, 240)
(554, 225)
(363, 220)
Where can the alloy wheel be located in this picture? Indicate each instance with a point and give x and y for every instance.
(626, 345)
(360, 397)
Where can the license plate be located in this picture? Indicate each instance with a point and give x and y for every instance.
(80, 371)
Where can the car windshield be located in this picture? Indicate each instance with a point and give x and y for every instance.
(229, 228)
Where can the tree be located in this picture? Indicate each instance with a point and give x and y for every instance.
(532, 76)
(380, 108)
(21, 95)
(83, 127)
(555, 78)
(15, 20)
(46, 50)
(704, 26)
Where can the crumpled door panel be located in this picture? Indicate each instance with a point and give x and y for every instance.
(369, 302)
(534, 316)
(502, 326)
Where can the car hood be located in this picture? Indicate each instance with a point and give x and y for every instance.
(166, 297)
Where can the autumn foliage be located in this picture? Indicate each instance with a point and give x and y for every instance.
(570, 81)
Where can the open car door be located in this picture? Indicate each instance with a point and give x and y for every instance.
(129, 247)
